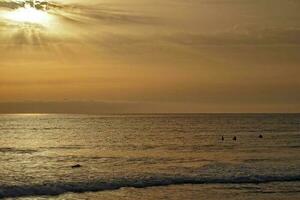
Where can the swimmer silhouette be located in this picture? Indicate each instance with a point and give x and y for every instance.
(234, 138)
(260, 136)
(76, 166)
(222, 138)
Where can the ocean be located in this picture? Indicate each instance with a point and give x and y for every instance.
(144, 156)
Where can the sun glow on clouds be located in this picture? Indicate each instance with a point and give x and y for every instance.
(29, 15)
(34, 12)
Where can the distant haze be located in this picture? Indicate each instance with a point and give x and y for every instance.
(114, 56)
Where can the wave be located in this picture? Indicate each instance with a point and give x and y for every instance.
(17, 150)
(52, 189)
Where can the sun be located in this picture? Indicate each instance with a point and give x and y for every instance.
(30, 13)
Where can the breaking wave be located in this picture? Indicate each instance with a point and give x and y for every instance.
(51, 189)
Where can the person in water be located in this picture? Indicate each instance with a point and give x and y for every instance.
(234, 138)
(76, 166)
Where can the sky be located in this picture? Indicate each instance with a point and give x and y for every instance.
(102, 56)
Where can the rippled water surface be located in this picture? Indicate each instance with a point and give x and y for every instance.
(150, 156)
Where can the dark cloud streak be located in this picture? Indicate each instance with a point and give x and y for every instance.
(10, 4)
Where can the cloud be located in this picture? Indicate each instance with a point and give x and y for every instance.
(247, 1)
(78, 107)
(10, 4)
(74, 23)
(82, 13)
(88, 14)
(101, 107)
(271, 36)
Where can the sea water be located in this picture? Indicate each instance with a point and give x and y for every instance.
(162, 156)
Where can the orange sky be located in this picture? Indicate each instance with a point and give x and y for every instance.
(150, 55)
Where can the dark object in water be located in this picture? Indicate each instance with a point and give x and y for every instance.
(234, 138)
(222, 138)
(260, 136)
(76, 166)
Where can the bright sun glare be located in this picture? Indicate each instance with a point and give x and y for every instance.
(29, 14)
